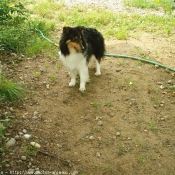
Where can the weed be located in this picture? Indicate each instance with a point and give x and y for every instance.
(59, 66)
(7, 121)
(52, 77)
(30, 150)
(172, 88)
(96, 129)
(109, 104)
(152, 158)
(96, 105)
(141, 159)
(1, 131)
(152, 126)
(37, 74)
(9, 90)
(108, 141)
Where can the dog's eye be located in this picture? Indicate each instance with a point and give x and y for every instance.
(75, 39)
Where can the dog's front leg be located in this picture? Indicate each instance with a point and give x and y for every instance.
(84, 77)
(73, 75)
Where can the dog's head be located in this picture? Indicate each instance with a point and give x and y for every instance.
(72, 38)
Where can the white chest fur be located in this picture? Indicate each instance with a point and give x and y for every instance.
(73, 61)
(76, 63)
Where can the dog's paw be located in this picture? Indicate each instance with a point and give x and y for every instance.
(82, 89)
(97, 73)
(72, 84)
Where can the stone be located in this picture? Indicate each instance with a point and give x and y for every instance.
(91, 138)
(162, 87)
(30, 171)
(98, 154)
(169, 82)
(132, 102)
(23, 158)
(7, 165)
(24, 131)
(11, 109)
(17, 137)
(111, 114)
(11, 143)
(118, 70)
(27, 136)
(118, 133)
(100, 123)
(20, 133)
(36, 145)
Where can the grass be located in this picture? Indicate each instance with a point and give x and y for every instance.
(112, 25)
(10, 90)
(52, 77)
(37, 74)
(30, 150)
(152, 126)
(150, 4)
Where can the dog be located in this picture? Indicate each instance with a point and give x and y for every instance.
(78, 45)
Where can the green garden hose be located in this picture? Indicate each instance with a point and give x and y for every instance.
(117, 55)
(140, 59)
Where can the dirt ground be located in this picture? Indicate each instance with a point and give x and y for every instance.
(123, 124)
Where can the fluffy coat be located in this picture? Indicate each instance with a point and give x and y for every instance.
(77, 46)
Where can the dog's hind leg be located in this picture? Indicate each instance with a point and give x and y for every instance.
(98, 71)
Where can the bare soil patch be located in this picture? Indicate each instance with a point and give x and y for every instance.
(122, 124)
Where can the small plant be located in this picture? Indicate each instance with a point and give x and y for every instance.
(52, 77)
(152, 126)
(30, 150)
(96, 105)
(96, 129)
(108, 141)
(37, 74)
(1, 131)
(10, 90)
(109, 104)
(59, 66)
(141, 159)
(7, 122)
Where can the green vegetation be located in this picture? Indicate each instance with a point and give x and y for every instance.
(10, 90)
(30, 150)
(18, 24)
(150, 4)
(17, 32)
(96, 105)
(112, 25)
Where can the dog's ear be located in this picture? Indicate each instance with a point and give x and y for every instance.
(66, 30)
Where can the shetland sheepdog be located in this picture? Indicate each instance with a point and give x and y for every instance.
(78, 45)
